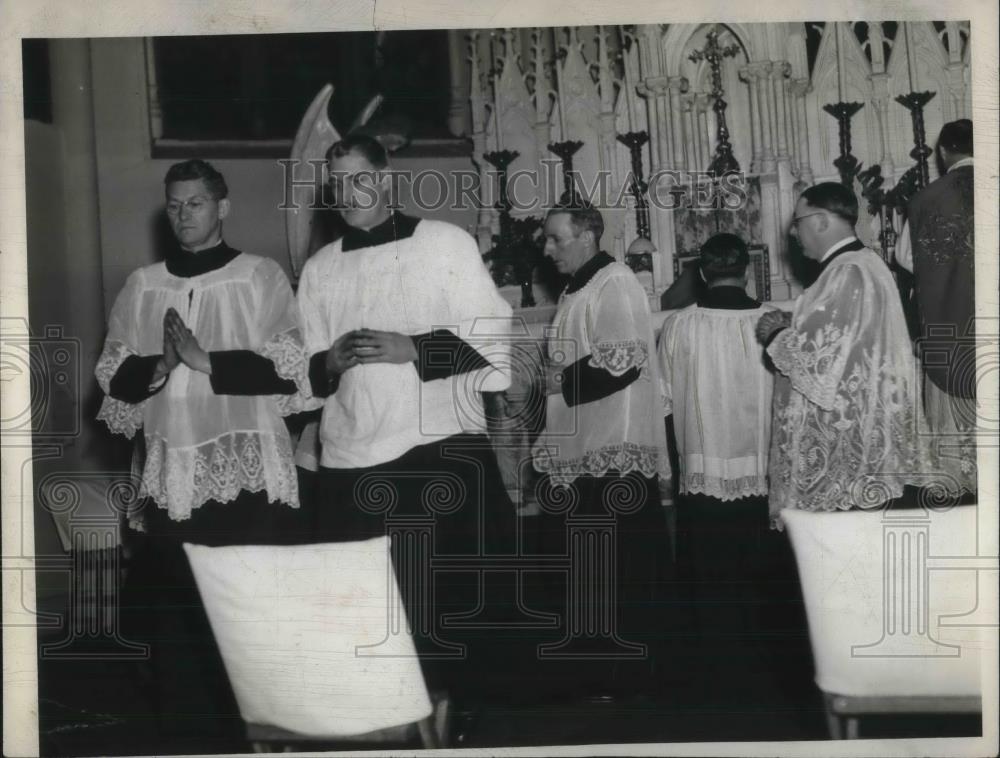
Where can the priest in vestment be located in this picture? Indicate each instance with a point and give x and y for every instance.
(848, 430)
(204, 355)
(937, 245)
(602, 452)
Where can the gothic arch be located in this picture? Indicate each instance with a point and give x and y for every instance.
(673, 43)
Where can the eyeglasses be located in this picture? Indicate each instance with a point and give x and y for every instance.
(195, 204)
(797, 219)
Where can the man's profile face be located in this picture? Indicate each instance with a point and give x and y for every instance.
(806, 223)
(195, 216)
(359, 191)
(567, 250)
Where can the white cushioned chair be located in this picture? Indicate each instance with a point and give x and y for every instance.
(304, 634)
(894, 617)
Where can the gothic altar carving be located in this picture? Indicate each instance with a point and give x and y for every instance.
(803, 103)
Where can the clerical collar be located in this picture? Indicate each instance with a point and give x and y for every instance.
(586, 272)
(185, 264)
(846, 245)
(959, 164)
(727, 297)
(395, 228)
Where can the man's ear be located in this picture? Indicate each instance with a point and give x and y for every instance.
(223, 208)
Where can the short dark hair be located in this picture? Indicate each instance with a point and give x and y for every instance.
(723, 256)
(582, 216)
(956, 136)
(194, 169)
(368, 147)
(835, 198)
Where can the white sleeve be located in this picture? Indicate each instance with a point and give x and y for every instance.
(904, 248)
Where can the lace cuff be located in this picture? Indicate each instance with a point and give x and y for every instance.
(618, 357)
(120, 417)
(813, 365)
(286, 352)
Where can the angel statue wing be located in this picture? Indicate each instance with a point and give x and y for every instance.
(304, 180)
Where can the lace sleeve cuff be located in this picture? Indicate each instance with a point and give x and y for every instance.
(121, 417)
(286, 352)
(811, 370)
(619, 357)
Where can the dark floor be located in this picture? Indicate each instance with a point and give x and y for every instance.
(710, 691)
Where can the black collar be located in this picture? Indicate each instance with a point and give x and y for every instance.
(396, 227)
(186, 264)
(849, 247)
(586, 272)
(727, 297)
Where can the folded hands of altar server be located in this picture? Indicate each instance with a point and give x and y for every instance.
(181, 346)
(370, 346)
(771, 322)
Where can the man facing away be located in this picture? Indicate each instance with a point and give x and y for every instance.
(848, 430)
(204, 355)
(405, 329)
(717, 402)
(601, 453)
(937, 245)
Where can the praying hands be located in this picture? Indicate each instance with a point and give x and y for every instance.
(181, 346)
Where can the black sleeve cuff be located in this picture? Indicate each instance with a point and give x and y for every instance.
(322, 383)
(442, 353)
(244, 372)
(773, 336)
(130, 384)
(583, 383)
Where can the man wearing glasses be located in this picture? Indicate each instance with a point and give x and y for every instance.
(847, 429)
(204, 355)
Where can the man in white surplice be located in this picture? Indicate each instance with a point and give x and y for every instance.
(847, 430)
(604, 447)
(717, 402)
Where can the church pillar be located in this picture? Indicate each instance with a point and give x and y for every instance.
(702, 104)
(678, 85)
(749, 74)
(82, 315)
(692, 158)
(760, 72)
(778, 74)
(801, 87)
(477, 105)
(657, 86)
(655, 162)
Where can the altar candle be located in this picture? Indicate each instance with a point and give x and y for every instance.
(911, 60)
(497, 115)
(840, 61)
(562, 99)
(629, 89)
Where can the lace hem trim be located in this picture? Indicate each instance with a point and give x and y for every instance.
(625, 458)
(181, 480)
(724, 489)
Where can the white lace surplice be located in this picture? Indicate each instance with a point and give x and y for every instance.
(201, 446)
(848, 429)
(609, 320)
(717, 387)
